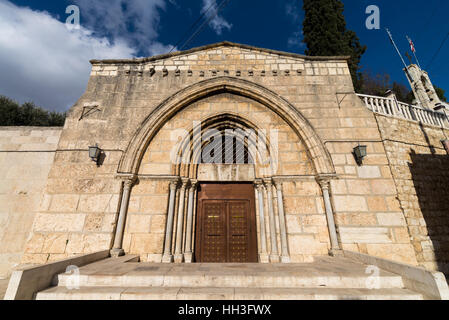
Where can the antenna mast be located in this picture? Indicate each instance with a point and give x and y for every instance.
(400, 55)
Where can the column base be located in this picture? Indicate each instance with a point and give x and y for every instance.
(274, 258)
(263, 258)
(188, 257)
(285, 259)
(179, 258)
(336, 252)
(115, 253)
(167, 258)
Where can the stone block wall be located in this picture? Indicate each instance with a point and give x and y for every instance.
(367, 211)
(420, 167)
(26, 156)
(81, 201)
(145, 228)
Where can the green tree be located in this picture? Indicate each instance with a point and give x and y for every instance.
(378, 85)
(325, 34)
(441, 94)
(403, 94)
(374, 85)
(27, 114)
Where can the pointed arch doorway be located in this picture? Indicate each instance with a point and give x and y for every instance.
(226, 230)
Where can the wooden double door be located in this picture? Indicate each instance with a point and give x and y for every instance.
(226, 224)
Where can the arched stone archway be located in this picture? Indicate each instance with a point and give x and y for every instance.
(182, 194)
(130, 162)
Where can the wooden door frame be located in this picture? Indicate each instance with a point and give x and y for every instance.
(218, 191)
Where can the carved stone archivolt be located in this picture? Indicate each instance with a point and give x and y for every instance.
(131, 159)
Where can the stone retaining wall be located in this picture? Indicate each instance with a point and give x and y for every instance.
(26, 156)
(420, 168)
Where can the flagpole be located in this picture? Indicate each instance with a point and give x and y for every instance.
(414, 51)
(399, 53)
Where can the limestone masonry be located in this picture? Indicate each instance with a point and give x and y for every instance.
(311, 196)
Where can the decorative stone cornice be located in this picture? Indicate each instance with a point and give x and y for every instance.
(158, 177)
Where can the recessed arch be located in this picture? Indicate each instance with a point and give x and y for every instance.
(319, 155)
(256, 142)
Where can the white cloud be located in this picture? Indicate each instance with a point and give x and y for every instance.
(292, 10)
(135, 20)
(44, 62)
(218, 23)
(296, 40)
(294, 13)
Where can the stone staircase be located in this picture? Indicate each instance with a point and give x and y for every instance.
(328, 278)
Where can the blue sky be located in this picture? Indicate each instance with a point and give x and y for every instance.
(44, 62)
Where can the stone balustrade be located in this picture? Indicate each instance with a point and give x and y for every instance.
(393, 108)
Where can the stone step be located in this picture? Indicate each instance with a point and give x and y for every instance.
(216, 293)
(232, 280)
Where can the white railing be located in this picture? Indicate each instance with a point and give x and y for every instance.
(393, 108)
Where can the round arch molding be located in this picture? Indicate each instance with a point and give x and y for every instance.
(319, 155)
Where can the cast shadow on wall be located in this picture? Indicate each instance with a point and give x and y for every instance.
(430, 175)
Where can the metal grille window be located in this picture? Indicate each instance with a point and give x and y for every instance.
(226, 149)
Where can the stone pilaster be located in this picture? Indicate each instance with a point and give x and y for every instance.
(117, 249)
(168, 256)
(263, 256)
(325, 187)
(274, 254)
(188, 255)
(285, 256)
(179, 256)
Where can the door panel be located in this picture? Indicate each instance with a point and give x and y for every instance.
(226, 224)
(214, 231)
(238, 215)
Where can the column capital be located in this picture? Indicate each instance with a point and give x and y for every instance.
(184, 182)
(174, 185)
(129, 181)
(258, 183)
(324, 183)
(278, 182)
(325, 180)
(268, 181)
(193, 184)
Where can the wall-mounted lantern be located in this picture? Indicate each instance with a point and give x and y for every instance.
(360, 153)
(445, 143)
(95, 153)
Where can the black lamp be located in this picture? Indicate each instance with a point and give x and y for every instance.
(360, 153)
(94, 153)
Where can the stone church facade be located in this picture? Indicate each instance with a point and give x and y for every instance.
(291, 190)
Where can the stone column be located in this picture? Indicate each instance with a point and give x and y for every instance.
(274, 254)
(179, 257)
(285, 256)
(167, 256)
(117, 249)
(188, 248)
(325, 187)
(263, 257)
